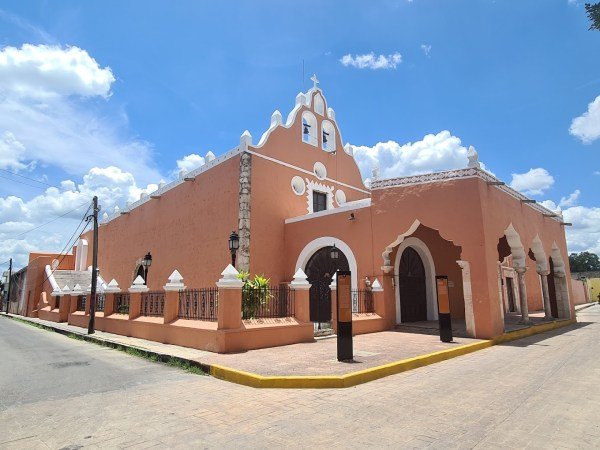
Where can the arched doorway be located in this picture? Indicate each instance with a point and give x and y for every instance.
(412, 287)
(320, 270)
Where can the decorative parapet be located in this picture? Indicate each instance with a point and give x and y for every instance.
(229, 279)
(113, 286)
(300, 281)
(458, 174)
(138, 285)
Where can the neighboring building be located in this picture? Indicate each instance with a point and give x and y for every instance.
(298, 192)
(591, 281)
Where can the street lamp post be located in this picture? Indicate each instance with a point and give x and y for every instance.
(146, 263)
(234, 244)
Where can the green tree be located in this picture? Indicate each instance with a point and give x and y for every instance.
(584, 262)
(593, 12)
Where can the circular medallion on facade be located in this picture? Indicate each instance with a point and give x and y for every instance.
(298, 185)
(340, 197)
(320, 170)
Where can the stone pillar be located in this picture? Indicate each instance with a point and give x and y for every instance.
(545, 293)
(172, 289)
(135, 297)
(378, 298)
(301, 288)
(229, 315)
(523, 295)
(468, 297)
(109, 303)
(243, 256)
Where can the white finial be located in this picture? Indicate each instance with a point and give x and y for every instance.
(175, 282)
(333, 284)
(116, 209)
(210, 156)
(376, 286)
(161, 185)
(245, 139)
(113, 286)
(182, 173)
(143, 195)
(66, 288)
(473, 158)
(77, 289)
(276, 118)
(229, 278)
(314, 80)
(139, 285)
(105, 215)
(300, 99)
(300, 280)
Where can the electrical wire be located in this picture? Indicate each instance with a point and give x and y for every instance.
(29, 178)
(63, 252)
(50, 221)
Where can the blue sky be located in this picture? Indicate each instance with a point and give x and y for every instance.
(506, 77)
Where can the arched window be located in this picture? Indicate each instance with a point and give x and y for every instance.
(309, 128)
(328, 138)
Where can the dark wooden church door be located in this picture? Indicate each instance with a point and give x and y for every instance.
(413, 293)
(320, 270)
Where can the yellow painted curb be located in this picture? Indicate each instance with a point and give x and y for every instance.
(373, 373)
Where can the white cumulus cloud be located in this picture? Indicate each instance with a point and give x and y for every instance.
(193, 161)
(435, 152)
(584, 235)
(570, 200)
(43, 70)
(372, 61)
(533, 182)
(587, 126)
(12, 153)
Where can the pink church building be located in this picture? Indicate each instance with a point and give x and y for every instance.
(297, 201)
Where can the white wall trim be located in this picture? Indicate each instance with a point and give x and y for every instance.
(327, 241)
(348, 206)
(421, 248)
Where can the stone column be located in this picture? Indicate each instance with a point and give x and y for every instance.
(172, 289)
(546, 294)
(229, 315)
(523, 295)
(301, 288)
(243, 256)
(468, 297)
(562, 296)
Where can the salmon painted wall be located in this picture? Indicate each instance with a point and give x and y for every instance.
(186, 229)
(273, 199)
(501, 210)
(35, 282)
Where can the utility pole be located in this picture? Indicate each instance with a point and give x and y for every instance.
(94, 217)
(9, 284)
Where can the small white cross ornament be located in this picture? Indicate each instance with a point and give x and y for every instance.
(314, 80)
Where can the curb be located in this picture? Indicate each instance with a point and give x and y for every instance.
(586, 306)
(320, 381)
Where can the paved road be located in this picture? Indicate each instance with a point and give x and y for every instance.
(540, 392)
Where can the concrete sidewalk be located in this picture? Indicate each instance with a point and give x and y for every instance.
(307, 364)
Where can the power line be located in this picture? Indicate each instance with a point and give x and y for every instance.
(29, 178)
(50, 221)
(63, 252)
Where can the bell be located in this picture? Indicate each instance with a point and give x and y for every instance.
(305, 129)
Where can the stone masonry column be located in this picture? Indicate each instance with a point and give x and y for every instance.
(229, 315)
(545, 293)
(523, 295)
(562, 297)
(243, 258)
(301, 288)
(172, 289)
(333, 287)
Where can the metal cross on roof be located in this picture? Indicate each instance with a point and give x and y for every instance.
(314, 80)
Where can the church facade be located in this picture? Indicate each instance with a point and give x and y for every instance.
(299, 205)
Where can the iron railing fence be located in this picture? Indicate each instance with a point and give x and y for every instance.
(362, 301)
(199, 304)
(81, 299)
(121, 303)
(100, 301)
(268, 302)
(153, 303)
